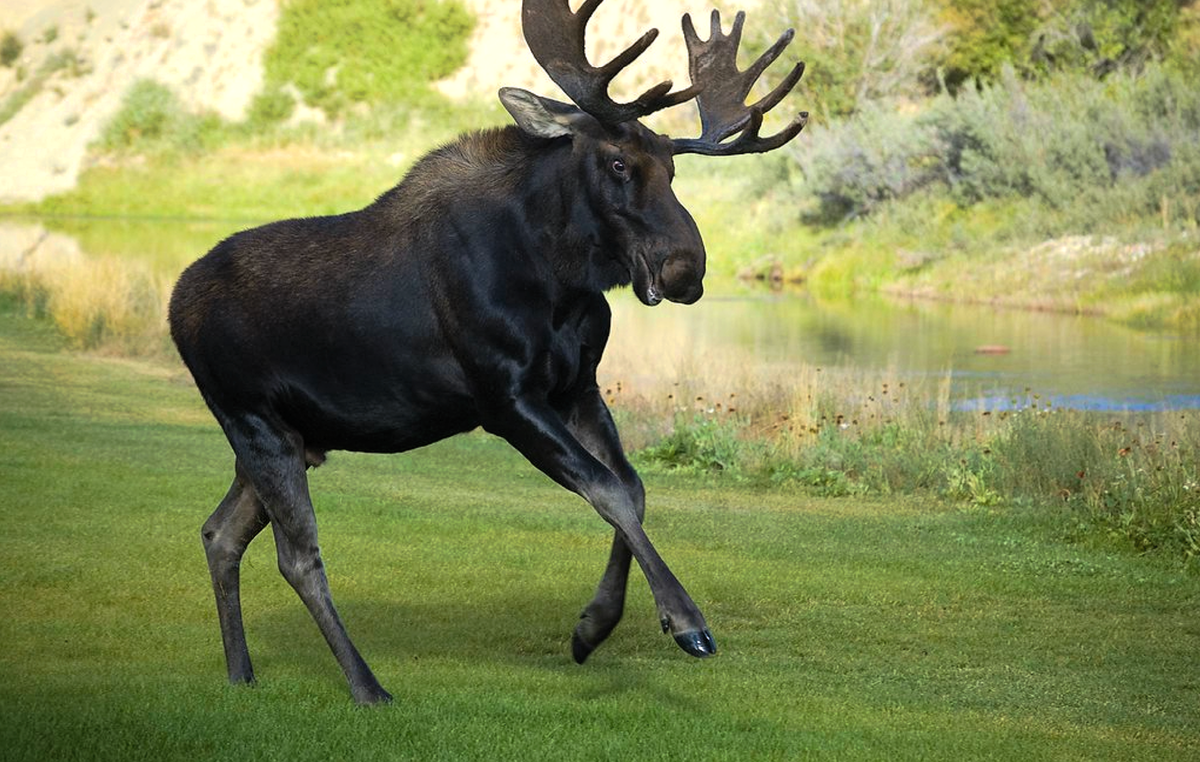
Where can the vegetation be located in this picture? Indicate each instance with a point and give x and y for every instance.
(347, 52)
(65, 61)
(10, 48)
(1131, 481)
(151, 119)
(1018, 127)
(897, 628)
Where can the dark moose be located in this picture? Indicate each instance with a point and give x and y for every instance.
(471, 294)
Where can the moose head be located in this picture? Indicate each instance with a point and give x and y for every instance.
(632, 166)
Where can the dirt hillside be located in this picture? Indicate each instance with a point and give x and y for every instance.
(210, 53)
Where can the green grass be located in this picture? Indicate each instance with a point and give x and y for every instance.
(850, 629)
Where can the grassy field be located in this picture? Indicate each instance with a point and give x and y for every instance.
(849, 628)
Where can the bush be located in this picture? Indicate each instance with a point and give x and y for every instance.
(698, 444)
(1095, 152)
(10, 48)
(985, 35)
(152, 118)
(859, 51)
(1102, 36)
(269, 107)
(342, 52)
(853, 166)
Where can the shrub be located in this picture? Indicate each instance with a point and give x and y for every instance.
(10, 48)
(1102, 36)
(985, 35)
(343, 52)
(698, 444)
(1095, 152)
(152, 118)
(271, 106)
(853, 166)
(858, 50)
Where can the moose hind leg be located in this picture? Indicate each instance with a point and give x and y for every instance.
(602, 614)
(276, 465)
(236, 521)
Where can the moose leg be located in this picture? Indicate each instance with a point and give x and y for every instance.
(541, 435)
(235, 522)
(275, 464)
(591, 423)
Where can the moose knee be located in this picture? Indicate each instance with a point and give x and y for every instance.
(621, 502)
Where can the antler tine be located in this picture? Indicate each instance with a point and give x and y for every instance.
(723, 92)
(555, 36)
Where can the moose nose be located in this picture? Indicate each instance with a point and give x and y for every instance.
(683, 276)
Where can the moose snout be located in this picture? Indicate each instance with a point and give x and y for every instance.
(682, 275)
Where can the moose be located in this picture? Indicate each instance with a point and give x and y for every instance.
(470, 295)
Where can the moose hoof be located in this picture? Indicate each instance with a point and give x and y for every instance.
(373, 697)
(698, 643)
(580, 649)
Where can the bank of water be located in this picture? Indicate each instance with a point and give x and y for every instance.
(994, 358)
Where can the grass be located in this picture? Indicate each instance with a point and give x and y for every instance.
(852, 628)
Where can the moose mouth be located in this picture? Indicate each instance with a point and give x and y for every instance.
(659, 277)
(647, 280)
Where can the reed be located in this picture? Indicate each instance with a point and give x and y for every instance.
(110, 305)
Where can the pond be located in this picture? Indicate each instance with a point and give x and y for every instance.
(993, 358)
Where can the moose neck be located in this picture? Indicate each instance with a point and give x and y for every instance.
(562, 217)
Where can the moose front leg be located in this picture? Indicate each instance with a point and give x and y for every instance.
(590, 422)
(542, 436)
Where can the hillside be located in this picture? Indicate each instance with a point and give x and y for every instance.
(79, 57)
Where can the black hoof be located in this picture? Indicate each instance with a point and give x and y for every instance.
(580, 649)
(698, 643)
(373, 697)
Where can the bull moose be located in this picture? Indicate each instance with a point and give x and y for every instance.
(469, 295)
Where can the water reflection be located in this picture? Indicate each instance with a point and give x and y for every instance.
(996, 358)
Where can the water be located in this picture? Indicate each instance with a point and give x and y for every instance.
(996, 358)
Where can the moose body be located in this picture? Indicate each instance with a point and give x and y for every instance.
(471, 294)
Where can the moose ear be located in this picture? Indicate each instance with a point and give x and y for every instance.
(541, 117)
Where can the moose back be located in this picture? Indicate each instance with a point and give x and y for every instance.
(471, 294)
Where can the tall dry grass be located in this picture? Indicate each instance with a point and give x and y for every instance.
(107, 304)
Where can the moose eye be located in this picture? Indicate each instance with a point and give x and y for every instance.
(618, 167)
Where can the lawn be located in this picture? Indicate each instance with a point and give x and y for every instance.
(849, 628)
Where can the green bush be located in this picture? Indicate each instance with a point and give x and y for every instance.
(152, 118)
(1102, 36)
(852, 166)
(985, 35)
(342, 52)
(10, 48)
(269, 107)
(698, 444)
(857, 52)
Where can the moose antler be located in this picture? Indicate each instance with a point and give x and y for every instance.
(723, 91)
(555, 37)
